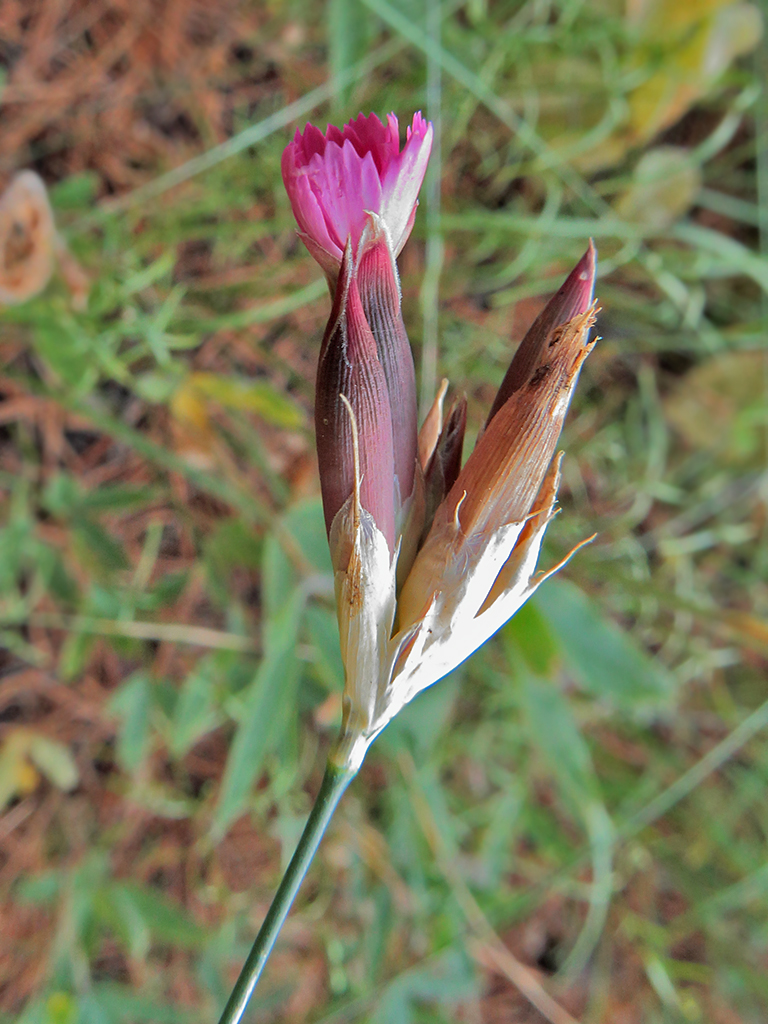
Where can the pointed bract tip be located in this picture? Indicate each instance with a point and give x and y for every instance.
(572, 299)
(579, 287)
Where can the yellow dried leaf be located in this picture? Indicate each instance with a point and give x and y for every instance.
(698, 50)
(189, 407)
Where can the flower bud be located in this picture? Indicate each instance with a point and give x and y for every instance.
(487, 507)
(477, 563)
(354, 193)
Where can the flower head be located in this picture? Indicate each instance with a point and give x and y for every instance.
(430, 558)
(334, 181)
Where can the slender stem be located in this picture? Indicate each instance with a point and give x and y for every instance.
(335, 781)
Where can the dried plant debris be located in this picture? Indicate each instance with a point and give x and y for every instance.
(30, 245)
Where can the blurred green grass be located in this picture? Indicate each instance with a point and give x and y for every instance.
(590, 786)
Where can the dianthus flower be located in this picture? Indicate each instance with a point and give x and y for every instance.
(430, 559)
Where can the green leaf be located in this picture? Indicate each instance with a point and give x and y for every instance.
(324, 635)
(230, 544)
(258, 397)
(61, 1008)
(42, 889)
(157, 387)
(74, 655)
(195, 712)
(104, 602)
(166, 591)
(306, 525)
(605, 660)
(67, 353)
(422, 722)
(664, 186)
(554, 732)
(103, 549)
(156, 325)
(131, 704)
(91, 1011)
(62, 496)
(116, 498)
(298, 549)
(120, 1003)
(162, 266)
(61, 585)
(265, 710)
(530, 632)
(76, 192)
(115, 907)
(497, 842)
(167, 922)
(349, 31)
(446, 980)
(35, 1012)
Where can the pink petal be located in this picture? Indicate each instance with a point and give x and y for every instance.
(402, 182)
(335, 179)
(345, 186)
(306, 206)
(369, 135)
(311, 142)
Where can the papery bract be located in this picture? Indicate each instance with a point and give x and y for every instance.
(476, 564)
(497, 489)
(575, 296)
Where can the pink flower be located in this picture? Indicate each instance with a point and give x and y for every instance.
(335, 180)
(430, 558)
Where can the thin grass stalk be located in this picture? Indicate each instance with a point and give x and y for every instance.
(335, 781)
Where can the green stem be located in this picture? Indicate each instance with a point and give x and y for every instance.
(335, 781)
